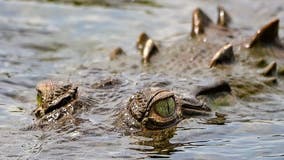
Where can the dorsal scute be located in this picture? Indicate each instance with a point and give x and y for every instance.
(199, 22)
(224, 19)
(268, 34)
(224, 55)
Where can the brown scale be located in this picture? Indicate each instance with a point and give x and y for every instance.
(137, 106)
(199, 22)
(224, 19)
(64, 90)
(54, 95)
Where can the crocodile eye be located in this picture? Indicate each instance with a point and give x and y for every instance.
(39, 98)
(165, 107)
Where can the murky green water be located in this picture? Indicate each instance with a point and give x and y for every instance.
(66, 42)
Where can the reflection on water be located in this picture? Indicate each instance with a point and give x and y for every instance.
(69, 42)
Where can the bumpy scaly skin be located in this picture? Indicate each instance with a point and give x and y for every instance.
(194, 57)
(53, 95)
(143, 112)
(140, 107)
(57, 103)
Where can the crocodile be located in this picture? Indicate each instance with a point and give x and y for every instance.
(154, 108)
(240, 72)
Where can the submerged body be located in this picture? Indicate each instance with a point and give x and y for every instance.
(215, 52)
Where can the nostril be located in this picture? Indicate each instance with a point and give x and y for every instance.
(38, 113)
(206, 107)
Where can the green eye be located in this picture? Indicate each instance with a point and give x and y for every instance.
(165, 107)
(39, 99)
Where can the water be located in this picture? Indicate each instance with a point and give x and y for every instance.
(62, 41)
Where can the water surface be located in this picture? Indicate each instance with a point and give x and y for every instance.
(40, 40)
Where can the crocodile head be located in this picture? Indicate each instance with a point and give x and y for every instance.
(157, 108)
(53, 95)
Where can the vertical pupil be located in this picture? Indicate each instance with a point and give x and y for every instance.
(165, 107)
(168, 106)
